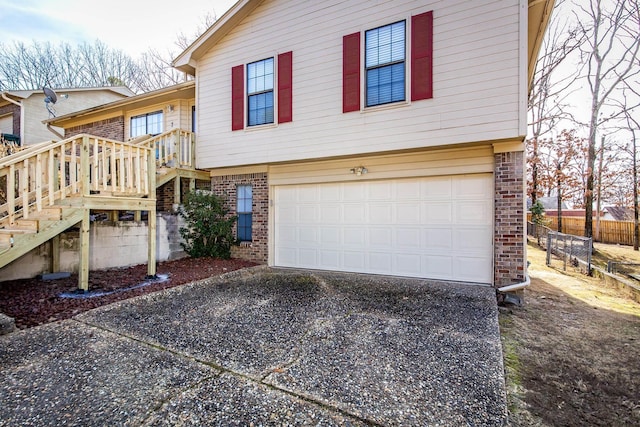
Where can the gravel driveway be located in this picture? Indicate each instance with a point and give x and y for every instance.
(268, 347)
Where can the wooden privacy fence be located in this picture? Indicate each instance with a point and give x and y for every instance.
(616, 232)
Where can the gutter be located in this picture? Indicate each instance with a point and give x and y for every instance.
(4, 96)
(516, 286)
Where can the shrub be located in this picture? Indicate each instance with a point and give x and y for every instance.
(209, 228)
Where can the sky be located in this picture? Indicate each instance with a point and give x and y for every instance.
(133, 26)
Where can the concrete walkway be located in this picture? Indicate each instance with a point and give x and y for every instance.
(265, 347)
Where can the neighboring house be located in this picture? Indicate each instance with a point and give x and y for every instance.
(373, 137)
(617, 213)
(23, 111)
(152, 113)
(149, 113)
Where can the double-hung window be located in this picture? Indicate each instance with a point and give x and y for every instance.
(150, 123)
(385, 64)
(244, 211)
(398, 58)
(260, 92)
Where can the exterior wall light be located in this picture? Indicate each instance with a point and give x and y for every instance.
(358, 170)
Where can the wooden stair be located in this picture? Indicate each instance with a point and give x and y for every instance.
(25, 235)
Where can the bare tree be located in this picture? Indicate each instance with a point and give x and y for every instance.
(550, 90)
(610, 54)
(561, 167)
(24, 67)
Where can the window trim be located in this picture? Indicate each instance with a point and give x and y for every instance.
(146, 116)
(365, 74)
(282, 93)
(239, 213)
(418, 64)
(248, 95)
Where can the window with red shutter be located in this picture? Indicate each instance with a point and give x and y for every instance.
(285, 87)
(237, 97)
(422, 56)
(351, 73)
(385, 64)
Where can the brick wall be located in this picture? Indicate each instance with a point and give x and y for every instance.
(165, 193)
(15, 110)
(225, 186)
(509, 252)
(109, 128)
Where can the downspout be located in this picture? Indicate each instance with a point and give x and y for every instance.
(52, 130)
(516, 286)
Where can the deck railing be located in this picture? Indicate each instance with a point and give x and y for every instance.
(33, 179)
(174, 148)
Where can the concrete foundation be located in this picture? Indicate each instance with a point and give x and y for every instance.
(112, 244)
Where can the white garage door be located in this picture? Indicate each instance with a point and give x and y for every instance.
(437, 228)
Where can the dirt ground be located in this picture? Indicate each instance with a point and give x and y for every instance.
(32, 302)
(572, 352)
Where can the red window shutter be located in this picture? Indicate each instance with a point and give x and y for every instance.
(237, 97)
(285, 86)
(351, 73)
(422, 56)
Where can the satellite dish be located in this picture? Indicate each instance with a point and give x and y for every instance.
(50, 98)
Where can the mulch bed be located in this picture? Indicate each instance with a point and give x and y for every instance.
(33, 302)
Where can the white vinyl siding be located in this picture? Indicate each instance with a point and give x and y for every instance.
(477, 82)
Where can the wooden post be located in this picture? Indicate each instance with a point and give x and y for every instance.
(176, 190)
(55, 254)
(151, 256)
(83, 270)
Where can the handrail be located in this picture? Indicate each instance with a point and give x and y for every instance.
(175, 147)
(24, 151)
(74, 166)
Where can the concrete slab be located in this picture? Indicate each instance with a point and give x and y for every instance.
(67, 373)
(380, 350)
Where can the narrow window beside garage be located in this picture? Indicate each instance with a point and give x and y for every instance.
(244, 212)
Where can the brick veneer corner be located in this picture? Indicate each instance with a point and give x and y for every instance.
(509, 250)
(225, 186)
(15, 110)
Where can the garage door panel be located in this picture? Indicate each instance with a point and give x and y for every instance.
(354, 237)
(408, 238)
(439, 188)
(330, 213)
(354, 261)
(330, 193)
(380, 214)
(408, 213)
(354, 193)
(471, 239)
(468, 268)
(438, 267)
(330, 236)
(438, 238)
(473, 212)
(330, 259)
(438, 213)
(380, 262)
(408, 264)
(380, 237)
(437, 227)
(354, 214)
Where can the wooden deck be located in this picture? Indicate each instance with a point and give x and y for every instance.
(49, 187)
